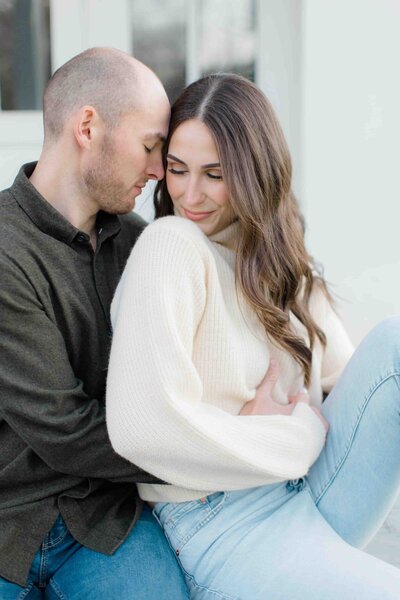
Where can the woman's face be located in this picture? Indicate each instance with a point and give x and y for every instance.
(194, 178)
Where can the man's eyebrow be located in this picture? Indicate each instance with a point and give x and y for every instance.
(155, 134)
(216, 165)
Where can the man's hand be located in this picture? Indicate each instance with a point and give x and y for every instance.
(263, 404)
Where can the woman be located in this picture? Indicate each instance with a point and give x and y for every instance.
(260, 504)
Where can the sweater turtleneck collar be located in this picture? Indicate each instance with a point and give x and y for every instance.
(228, 237)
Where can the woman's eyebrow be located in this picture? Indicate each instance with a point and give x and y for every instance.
(216, 165)
(178, 160)
(211, 166)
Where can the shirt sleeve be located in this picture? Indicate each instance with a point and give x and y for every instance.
(41, 399)
(157, 414)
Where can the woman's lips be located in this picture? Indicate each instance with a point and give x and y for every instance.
(196, 216)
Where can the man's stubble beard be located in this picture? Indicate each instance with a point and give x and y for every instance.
(102, 183)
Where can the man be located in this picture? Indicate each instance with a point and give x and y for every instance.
(71, 525)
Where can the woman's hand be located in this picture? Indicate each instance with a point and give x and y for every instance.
(263, 404)
(303, 396)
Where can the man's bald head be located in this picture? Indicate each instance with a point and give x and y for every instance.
(107, 79)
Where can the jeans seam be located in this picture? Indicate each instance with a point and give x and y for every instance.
(221, 595)
(42, 567)
(197, 585)
(188, 575)
(57, 590)
(211, 514)
(374, 387)
(25, 592)
(53, 543)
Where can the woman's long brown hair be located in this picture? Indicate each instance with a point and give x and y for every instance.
(273, 268)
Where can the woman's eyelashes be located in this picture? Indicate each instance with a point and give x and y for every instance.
(175, 171)
(211, 175)
(216, 176)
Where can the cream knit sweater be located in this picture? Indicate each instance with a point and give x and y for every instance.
(187, 354)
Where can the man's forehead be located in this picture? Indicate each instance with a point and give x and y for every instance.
(149, 122)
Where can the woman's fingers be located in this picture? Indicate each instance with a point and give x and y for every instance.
(282, 409)
(270, 378)
(301, 396)
(263, 404)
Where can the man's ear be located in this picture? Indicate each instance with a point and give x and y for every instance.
(87, 124)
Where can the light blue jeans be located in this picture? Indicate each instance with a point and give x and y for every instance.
(143, 568)
(300, 540)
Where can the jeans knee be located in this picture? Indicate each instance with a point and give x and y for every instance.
(389, 325)
(385, 338)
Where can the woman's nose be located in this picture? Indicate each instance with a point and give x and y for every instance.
(193, 194)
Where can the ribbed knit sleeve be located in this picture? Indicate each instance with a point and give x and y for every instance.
(338, 351)
(157, 414)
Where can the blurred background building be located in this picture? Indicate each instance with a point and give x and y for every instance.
(331, 70)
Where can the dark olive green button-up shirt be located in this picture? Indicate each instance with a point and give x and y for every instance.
(55, 332)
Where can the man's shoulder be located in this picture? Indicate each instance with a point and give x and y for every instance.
(133, 220)
(6, 199)
(10, 217)
(132, 225)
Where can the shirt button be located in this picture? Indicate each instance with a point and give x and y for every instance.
(81, 238)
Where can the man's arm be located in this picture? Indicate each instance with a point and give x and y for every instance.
(40, 397)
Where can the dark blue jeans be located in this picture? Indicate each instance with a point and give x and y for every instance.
(143, 568)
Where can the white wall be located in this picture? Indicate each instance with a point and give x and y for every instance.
(80, 24)
(21, 137)
(278, 70)
(351, 136)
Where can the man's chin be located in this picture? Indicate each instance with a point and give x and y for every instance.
(127, 207)
(122, 209)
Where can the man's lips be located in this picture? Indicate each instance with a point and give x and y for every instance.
(139, 189)
(196, 216)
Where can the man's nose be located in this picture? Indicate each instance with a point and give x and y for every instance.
(155, 169)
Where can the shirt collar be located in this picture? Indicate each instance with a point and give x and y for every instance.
(47, 218)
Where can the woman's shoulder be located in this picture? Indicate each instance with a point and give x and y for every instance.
(177, 229)
(177, 225)
(169, 252)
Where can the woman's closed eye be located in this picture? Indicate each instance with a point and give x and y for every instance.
(177, 171)
(214, 175)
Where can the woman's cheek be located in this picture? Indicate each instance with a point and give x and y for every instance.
(171, 186)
